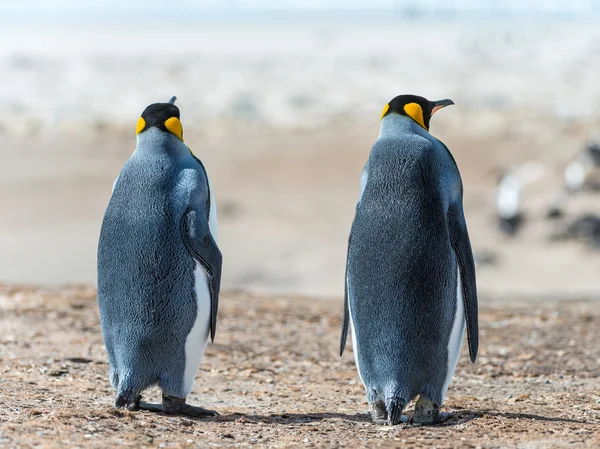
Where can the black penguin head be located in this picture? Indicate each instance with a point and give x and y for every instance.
(417, 108)
(164, 116)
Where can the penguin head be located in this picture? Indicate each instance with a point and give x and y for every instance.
(419, 109)
(164, 116)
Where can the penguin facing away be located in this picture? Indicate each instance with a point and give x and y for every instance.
(410, 275)
(159, 267)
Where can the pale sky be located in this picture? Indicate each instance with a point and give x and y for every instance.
(79, 7)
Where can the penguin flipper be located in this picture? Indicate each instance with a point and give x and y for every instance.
(346, 317)
(203, 248)
(461, 244)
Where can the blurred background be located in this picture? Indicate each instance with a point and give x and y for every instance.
(281, 100)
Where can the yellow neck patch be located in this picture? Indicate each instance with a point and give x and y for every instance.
(415, 112)
(141, 124)
(174, 126)
(386, 108)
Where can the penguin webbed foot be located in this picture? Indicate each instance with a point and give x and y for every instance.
(177, 406)
(427, 412)
(196, 412)
(379, 413)
(440, 418)
(128, 400)
(151, 407)
(394, 408)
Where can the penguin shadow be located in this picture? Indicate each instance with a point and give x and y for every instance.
(463, 416)
(530, 416)
(458, 417)
(284, 418)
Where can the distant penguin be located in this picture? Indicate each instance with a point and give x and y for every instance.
(410, 275)
(508, 196)
(159, 267)
(585, 228)
(581, 172)
(509, 192)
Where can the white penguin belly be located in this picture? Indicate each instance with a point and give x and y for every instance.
(197, 339)
(456, 336)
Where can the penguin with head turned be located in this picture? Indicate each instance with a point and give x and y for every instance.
(159, 267)
(410, 275)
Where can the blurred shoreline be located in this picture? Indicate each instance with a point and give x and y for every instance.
(284, 117)
(505, 76)
(285, 203)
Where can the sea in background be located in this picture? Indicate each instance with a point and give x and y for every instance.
(282, 102)
(296, 65)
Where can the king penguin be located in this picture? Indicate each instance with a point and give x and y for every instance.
(159, 267)
(410, 274)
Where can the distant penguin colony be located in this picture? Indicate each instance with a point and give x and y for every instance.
(410, 274)
(580, 176)
(159, 267)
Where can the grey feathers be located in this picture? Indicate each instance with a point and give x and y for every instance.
(154, 231)
(407, 242)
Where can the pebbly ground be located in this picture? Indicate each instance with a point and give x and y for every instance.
(275, 376)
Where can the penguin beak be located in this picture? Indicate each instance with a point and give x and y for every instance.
(437, 105)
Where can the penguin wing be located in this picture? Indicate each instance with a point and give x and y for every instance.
(203, 248)
(459, 239)
(346, 317)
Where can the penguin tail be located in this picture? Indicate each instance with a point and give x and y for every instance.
(395, 406)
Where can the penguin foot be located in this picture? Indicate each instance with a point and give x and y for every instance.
(151, 407)
(134, 406)
(177, 406)
(128, 401)
(379, 413)
(190, 410)
(394, 407)
(427, 412)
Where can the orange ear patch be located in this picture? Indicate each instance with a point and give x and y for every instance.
(414, 111)
(174, 126)
(386, 108)
(141, 124)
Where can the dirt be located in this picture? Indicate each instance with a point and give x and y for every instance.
(275, 377)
